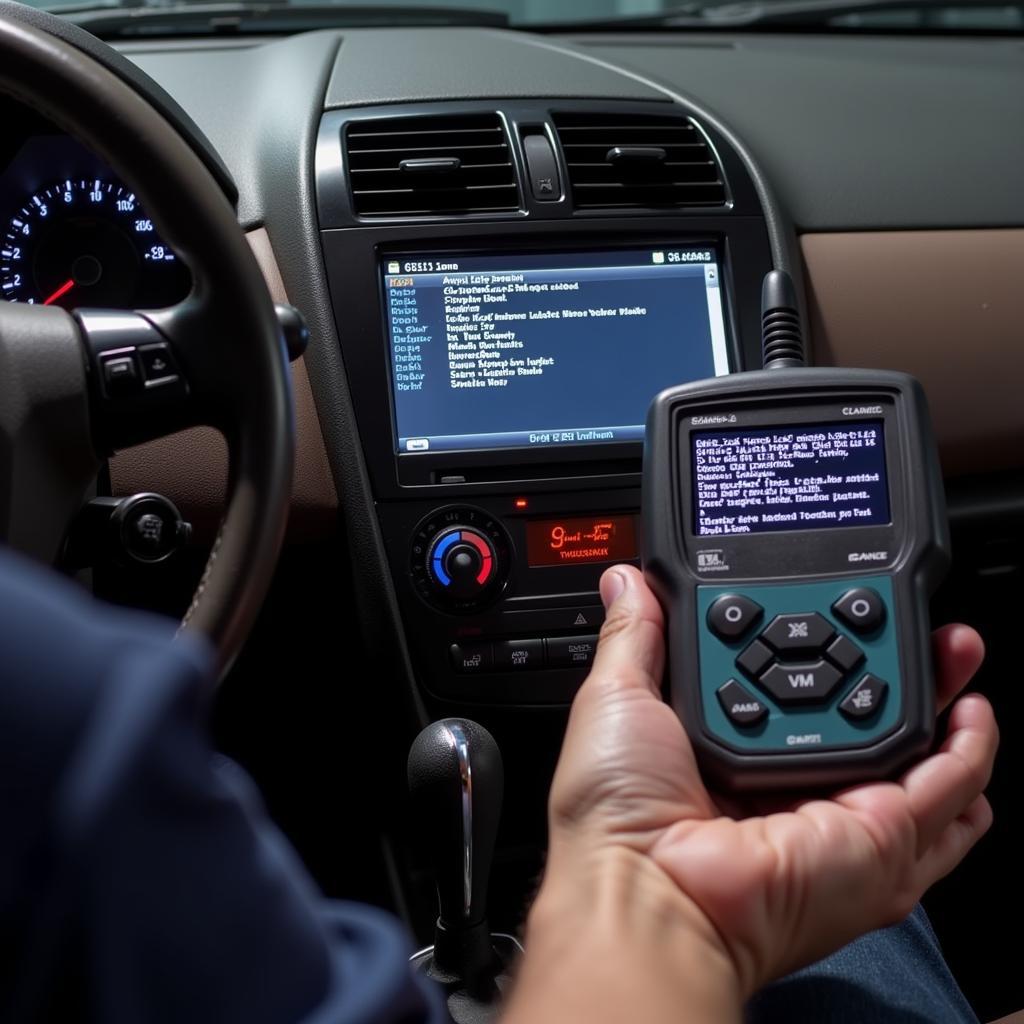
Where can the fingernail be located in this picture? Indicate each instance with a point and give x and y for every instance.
(613, 583)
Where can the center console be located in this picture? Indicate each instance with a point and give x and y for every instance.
(501, 364)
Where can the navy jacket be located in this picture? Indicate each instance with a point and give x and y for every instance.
(140, 879)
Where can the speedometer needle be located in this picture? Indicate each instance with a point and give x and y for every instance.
(62, 290)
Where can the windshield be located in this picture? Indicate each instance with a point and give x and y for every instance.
(865, 15)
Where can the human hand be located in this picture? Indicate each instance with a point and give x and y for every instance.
(771, 891)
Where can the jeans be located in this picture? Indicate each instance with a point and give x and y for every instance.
(893, 976)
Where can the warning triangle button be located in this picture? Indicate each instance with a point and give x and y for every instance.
(581, 620)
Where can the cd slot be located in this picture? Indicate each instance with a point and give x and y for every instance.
(543, 471)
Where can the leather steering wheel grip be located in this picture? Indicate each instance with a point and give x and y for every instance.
(239, 370)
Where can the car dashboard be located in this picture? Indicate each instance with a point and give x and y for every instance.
(462, 459)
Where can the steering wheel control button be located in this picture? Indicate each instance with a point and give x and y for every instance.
(806, 633)
(865, 698)
(471, 658)
(518, 655)
(806, 683)
(861, 609)
(754, 659)
(120, 374)
(571, 651)
(158, 365)
(844, 653)
(731, 615)
(741, 708)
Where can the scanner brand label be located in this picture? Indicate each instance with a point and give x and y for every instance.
(703, 421)
(806, 739)
(712, 560)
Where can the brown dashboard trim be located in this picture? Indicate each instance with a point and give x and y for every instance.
(946, 306)
(190, 468)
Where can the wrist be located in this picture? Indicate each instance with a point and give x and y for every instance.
(610, 936)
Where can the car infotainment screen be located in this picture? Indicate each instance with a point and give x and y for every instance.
(529, 351)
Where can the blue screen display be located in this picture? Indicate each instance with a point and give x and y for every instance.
(804, 477)
(546, 349)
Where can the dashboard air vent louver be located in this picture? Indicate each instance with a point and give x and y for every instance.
(419, 166)
(638, 160)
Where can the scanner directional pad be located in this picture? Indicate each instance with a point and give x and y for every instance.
(800, 675)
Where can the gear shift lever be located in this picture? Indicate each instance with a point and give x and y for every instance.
(456, 781)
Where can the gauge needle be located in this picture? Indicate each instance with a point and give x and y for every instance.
(62, 290)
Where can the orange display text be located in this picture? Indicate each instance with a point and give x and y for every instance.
(580, 540)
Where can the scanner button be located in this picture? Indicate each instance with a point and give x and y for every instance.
(808, 632)
(741, 707)
(806, 683)
(861, 609)
(865, 698)
(732, 615)
(754, 659)
(844, 653)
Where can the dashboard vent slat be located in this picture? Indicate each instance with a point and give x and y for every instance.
(479, 177)
(688, 175)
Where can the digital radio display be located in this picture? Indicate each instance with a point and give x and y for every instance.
(580, 540)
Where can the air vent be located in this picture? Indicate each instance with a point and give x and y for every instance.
(638, 160)
(402, 166)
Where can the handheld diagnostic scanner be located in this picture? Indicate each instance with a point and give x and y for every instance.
(794, 532)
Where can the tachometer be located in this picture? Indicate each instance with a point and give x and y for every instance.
(87, 242)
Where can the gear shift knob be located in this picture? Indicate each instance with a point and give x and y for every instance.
(457, 781)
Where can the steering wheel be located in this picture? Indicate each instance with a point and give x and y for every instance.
(64, 406)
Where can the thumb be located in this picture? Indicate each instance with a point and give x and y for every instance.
(631, 650)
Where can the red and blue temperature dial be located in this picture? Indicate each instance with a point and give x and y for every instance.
(460, 559)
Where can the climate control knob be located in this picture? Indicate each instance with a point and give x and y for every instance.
(460, 559)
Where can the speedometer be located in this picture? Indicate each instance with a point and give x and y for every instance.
(87, 242)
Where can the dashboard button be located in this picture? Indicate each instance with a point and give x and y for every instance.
(518, 655)
(552, 620)
(471, 658)
(542, 167)
(808, 683)
(865, 698)
(741, 707)
(732, 615)
(571, 651)
(806, 632)
(861, 609)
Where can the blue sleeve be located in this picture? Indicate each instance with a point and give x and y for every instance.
(895, 975)
(140, 879)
